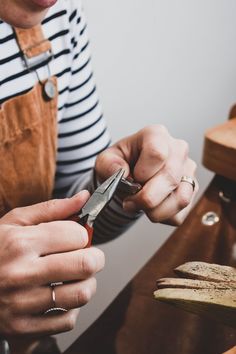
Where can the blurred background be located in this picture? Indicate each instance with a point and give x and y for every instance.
(157, 61)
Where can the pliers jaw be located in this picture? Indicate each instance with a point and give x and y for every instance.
(100, 198)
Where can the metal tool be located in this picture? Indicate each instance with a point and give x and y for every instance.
(99, 199)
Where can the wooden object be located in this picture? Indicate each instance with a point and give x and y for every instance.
(220, 149)
(210, 290)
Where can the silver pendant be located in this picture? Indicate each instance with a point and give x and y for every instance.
(50, 89)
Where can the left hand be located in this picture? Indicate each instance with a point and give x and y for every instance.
(158, 161)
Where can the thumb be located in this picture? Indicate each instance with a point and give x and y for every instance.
(52, 210)
(109, 162)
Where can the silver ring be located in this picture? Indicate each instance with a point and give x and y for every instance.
(189, 180)
(54, 310)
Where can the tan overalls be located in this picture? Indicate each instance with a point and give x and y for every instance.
(28, 134)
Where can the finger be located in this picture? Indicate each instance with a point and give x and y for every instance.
(172, 205)
(44, 325)
(109, 162)
(57, 209)
(179, 200)
(154, 151)
(57, 237)
(69, 266)
(68, 296)
(179, 218)
(75, 295)
(159, 187)
(61, 267)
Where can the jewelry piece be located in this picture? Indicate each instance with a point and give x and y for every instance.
(53, 295)
(189, 180)
(54, 310)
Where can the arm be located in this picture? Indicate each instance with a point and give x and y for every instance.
(83, 135)
(152, 156)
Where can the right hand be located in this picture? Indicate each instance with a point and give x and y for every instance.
(39, 247)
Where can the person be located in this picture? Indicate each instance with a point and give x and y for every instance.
(54, 142)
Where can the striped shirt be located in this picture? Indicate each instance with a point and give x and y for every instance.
(82, 131)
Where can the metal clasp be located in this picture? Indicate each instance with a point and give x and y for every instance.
(31, 63)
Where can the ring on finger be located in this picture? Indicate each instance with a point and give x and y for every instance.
(54, 310)
(190, 180)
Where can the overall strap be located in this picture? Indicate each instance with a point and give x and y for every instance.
(35, 48)
(32, 41)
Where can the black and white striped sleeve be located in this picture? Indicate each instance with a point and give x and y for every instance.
(83, 135)
(82, 131)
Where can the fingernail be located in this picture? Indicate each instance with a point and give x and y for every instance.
(129, 206)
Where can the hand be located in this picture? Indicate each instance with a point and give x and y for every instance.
(157, 161)
(38, 248)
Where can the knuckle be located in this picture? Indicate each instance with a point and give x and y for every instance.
(147, 200)
(19, 245)
(17, 277)
(15, 242)
(156, 152)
